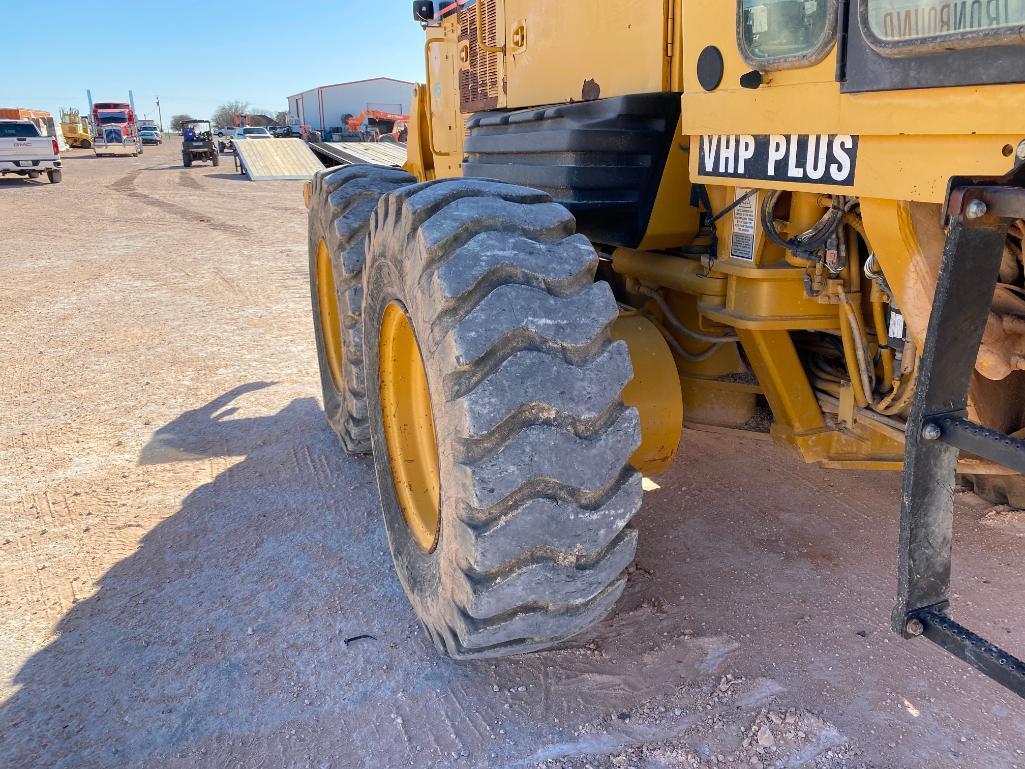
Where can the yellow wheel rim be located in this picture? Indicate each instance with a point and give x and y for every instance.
(330, 327)
(409, 428)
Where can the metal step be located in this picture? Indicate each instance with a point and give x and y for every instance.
(979, 217)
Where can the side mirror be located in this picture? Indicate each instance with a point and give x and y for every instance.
(423, 11)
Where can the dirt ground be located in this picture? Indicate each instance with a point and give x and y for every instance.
(192, 574)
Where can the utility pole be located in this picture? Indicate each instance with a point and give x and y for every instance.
(160, 115)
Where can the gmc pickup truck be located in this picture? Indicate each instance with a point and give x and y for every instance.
(23, 151)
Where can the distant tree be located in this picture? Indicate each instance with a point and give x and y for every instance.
(177, 120)
(280, 118)
(224, 116)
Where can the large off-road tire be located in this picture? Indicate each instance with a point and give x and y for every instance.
(510, 531)
(187, 160)
(55, 176)
(215, 158)
(341, 202)
(998, 489)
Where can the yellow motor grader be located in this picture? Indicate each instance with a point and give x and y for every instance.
(75, 128)
(799, 216)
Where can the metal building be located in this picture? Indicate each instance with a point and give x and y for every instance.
(323, 107)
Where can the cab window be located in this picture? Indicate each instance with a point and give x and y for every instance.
(778, 34)
(895, 26)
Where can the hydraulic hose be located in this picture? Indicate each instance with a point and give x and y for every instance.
(678, 325)
(883, 335)
(805, 245)
(853, 358)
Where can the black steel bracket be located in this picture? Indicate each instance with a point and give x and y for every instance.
(979, 216)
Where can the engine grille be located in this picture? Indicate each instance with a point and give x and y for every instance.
(478, 84)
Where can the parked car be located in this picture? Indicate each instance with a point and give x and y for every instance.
(241, 134)
(150, 135)
(25, 152)
(252, 132)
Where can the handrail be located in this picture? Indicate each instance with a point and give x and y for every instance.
(480, 31)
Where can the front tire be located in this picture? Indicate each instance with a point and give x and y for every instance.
(513, 533)
(341, 202)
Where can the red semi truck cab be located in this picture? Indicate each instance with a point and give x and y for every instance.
(115, 129)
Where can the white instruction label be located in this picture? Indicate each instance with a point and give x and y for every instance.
(896, 326)
(742, 245)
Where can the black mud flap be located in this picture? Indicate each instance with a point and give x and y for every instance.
(979, 215)
(601, 159)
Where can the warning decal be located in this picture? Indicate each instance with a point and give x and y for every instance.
(742, 245)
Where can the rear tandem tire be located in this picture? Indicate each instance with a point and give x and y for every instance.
(1006, 490)
(341, 203)
(534, 494)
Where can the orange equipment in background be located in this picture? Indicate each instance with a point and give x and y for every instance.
(42, 118)
(380, 126)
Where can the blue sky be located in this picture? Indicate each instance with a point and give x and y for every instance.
(251, 50)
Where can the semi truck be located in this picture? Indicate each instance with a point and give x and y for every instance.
(115, 128)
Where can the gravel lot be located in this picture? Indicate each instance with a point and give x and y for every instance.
(192, 574)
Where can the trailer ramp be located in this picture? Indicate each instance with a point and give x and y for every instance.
(266, 159)
(352, 153)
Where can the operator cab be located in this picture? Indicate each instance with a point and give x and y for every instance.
(885, 45)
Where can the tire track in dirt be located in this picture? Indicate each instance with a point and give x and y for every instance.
(126, 186)
(188, 181)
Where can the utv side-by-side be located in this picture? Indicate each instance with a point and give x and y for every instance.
(198, 143)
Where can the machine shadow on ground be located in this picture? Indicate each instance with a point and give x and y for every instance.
(264, 616)
(209, 626)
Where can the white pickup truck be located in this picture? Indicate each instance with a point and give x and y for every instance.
(23, 151)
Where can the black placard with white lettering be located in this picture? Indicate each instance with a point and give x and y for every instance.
(815, 159)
